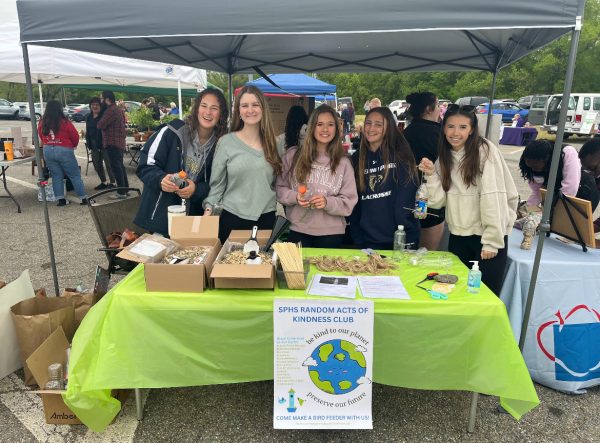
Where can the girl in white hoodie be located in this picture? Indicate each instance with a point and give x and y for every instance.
(471, 179)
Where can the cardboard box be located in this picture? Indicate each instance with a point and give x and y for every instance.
(244, 276)
(53, 350)
(187, 231)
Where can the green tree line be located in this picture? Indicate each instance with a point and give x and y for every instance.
(541, 72)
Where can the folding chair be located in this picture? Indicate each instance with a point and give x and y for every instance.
(89, 158)
(115, 215)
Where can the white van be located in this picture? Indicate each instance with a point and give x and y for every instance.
(583, 114)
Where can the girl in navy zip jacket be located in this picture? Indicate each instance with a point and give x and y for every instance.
(386, 178)
(188, 146)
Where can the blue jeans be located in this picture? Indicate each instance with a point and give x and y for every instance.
(61, 161)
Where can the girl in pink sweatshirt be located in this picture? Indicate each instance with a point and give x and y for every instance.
(535, 169)
(317, 185)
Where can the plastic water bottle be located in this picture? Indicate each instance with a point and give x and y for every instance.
(474, 278)
(179, 179)
(399, 243)
(421, 202)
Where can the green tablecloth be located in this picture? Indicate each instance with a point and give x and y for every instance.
(138, 339)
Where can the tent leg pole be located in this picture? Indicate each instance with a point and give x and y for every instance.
(138, 404)
(489, 116)
(41, 97)
(38, 158)
(473, 412)
(179, 103)
(545, 223)
(230, 90)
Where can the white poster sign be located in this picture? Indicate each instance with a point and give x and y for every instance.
(323, 357)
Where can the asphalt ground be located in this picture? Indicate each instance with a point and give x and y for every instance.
(241, 412)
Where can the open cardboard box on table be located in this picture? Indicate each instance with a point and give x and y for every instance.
(53, 350)
(187, 231)
(243, 276)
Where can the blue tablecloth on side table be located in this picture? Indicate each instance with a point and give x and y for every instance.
(562, 348)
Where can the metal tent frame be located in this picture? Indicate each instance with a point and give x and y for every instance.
(396, 36)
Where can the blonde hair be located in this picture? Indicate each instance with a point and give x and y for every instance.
(267, 134)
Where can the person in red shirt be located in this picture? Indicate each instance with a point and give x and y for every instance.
(112, 125)
(60, 139)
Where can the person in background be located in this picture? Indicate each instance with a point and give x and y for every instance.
(244, 168)
(534, 165)
(112, 125)
(386, 178)
(59, 139)
(345, 119)
(375, 103)
(93, 138)
(295, 129)
(589, 155)
(174, 110)
(317, 212)
(155, 108)
(188, 146)
(517, 121)
(356, 136)
(443, 108)
(351, 115)
(470, 178)
(423, 135)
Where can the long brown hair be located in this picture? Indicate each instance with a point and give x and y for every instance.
(267, 134)
(221, 126)
(53, 117)
(394, 148)
(470, 165)
(306, 154)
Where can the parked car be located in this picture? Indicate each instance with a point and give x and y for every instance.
(80, 113)
(345, 101)
(583, 114)
(505, 109)
(134, 106)
(24, 110)
(68, 110)
(473, 101)
(525, 102)
(8, 109)
(537, 109)
(398, 107)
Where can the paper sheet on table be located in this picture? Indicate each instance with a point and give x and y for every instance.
(333, 286)
(382, 286)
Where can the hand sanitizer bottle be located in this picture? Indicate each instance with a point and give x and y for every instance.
(474, 279)
(399, 243)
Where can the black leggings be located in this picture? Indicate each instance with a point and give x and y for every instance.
(316, 241)
(468, 248)
(229, 222)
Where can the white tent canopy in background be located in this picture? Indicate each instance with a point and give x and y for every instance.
(62, 66)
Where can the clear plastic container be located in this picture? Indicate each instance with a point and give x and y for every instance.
(284, 276)
(55, 377)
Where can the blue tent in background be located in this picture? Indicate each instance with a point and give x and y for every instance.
(299, 84)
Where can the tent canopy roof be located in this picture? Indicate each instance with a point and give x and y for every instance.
(300, 84)
(393, 35)
(59, 66)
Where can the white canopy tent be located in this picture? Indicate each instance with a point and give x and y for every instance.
(63, 66)
(390, 36)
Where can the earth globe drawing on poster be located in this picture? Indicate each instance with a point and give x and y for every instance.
(337, 366)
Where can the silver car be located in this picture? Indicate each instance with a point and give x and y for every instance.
(8, 109)
(24, 110)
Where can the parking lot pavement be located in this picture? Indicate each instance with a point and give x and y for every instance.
(243, 412)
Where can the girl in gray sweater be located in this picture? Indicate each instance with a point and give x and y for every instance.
(244, 168)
